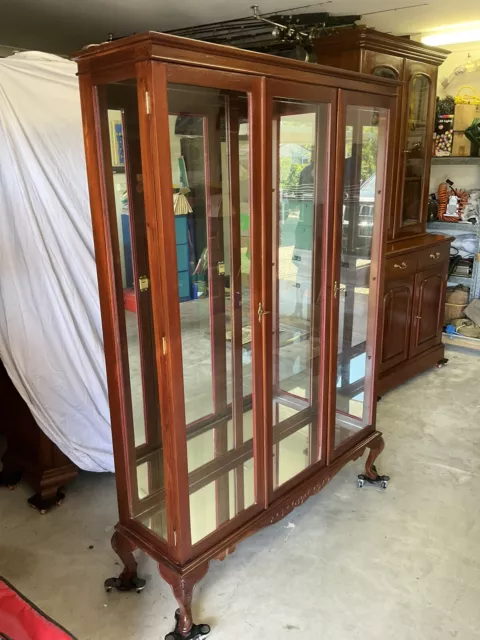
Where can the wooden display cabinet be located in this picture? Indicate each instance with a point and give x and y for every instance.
(231, 405)
(410, 313)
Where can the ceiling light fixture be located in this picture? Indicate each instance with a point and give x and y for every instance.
(455, 34)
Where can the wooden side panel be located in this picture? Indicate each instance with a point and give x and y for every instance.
(397, 314)
(430, 287)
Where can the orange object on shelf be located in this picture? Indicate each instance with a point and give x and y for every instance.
(445, 191)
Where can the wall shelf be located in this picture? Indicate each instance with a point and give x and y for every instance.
(456, 229)
(456, 160)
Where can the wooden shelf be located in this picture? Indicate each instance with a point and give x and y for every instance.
(461, 341)
(456, 160)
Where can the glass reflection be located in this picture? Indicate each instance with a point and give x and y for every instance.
(119, 119)
(210, 159)
(299, 160)
(415, 150)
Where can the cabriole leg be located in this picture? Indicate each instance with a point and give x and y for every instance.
(128, 579)
(182, 587)
(371, 475)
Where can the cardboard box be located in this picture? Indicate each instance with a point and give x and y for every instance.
(465, 114)
(461, 144)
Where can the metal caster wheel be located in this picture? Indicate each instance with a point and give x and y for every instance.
(197, 632)
(360, 483)
(120, 584)
(441, 363)
(384, 484)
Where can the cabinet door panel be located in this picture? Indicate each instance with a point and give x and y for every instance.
(428, 309)
(356, 295)
(397, 315)
(418, 115)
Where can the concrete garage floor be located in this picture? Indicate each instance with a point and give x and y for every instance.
(357, 564)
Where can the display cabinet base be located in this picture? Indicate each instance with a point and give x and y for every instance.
(183, 579)
(399, 374)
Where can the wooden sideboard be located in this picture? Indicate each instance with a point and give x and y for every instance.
(415, 282)
(30, 454)
(413, 304)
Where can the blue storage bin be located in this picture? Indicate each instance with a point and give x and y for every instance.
(181, 229)
(183, 285)
(182, 257)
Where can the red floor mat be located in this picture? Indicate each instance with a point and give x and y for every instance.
(21, 620)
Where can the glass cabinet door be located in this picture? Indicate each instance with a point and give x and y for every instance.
(300, 137)
(123, 175)
(356, 285)
(212, 169)
(417, 152)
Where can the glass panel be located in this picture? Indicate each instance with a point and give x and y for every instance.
(210, 159)
(300, 144)
(364, 152)
(118, 108)
(384, 71)
(415, 150)
(291, 455)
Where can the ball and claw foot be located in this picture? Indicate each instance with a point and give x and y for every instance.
(197, 632)
(378, 480)
(125, 584)
(42, 505)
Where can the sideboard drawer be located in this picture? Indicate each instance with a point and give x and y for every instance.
(430, 257)
(401, 266)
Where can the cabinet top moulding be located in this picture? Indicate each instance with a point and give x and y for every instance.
(162, 47)
(365, 38)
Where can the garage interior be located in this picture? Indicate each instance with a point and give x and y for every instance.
(340, 314)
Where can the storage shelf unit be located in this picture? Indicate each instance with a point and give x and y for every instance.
(456, 229)
(455, 160)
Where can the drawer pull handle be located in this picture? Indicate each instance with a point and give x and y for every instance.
(400, 266)
(435, 256)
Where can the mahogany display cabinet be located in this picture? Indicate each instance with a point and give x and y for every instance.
(238, 390)
(417, 261)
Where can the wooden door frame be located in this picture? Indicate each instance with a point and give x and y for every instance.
(382, 203)
(175, 434)
(285, 89)
(440, 270)
(407, 283)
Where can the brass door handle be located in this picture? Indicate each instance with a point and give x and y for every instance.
(400, 266)
(435, 256)
(261, 312)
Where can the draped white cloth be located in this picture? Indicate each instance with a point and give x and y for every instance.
(50, 328)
